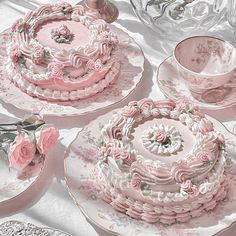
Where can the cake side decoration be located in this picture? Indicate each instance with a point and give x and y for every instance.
(158, 186)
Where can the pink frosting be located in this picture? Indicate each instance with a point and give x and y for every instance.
(95, 65)
(146, 104)
(205, 126)
(15, 53)
(127, 157)
(210, 141)
(169, 104)
(38, 53)
(16, 24)
(135, 181)
(130, 111)
(108, 37)
(189, 188)
(65, 7)
(160, 136)
(56, 70)
(204, 156)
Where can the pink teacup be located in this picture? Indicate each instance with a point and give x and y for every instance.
(205, 62)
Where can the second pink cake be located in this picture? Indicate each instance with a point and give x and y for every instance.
(161, 161)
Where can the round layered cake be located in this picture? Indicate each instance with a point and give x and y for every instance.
(161, 161)
(61, 53)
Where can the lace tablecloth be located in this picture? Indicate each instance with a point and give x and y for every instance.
(48, 203)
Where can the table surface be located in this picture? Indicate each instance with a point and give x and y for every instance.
(48, 203)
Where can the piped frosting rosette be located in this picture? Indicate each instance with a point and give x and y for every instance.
(162, 139)
(175, 191)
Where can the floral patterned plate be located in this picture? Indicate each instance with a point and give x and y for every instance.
(79, 163)
(132, 66)
(174, 87)
(12, 182)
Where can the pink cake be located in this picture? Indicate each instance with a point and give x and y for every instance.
(61, 53)
(161, 161)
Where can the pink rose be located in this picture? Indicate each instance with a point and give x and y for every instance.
(130, 111)
(189, 188)
(15, 53)
(204, 156)
(55, 70)
(205, 126)
(21, 152)
(135, 181)
(46, 138)
(38, 53)
(160, 136)
(127, 158)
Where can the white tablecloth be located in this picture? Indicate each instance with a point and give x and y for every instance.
(48, 203)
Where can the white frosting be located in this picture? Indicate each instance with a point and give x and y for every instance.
(174, 136)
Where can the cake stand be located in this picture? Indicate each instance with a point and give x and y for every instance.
(79, 163)
(132, 67)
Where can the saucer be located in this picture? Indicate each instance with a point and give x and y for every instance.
(174, 87)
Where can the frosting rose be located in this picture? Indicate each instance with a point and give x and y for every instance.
(127, 158)
(116, 153)
(21, 152)
(95, 65)
(38, 53)
(135, 181)
(55, 70)
(133, 103)
(189, 188)
(130, 111)
(46, 137)
(204, 156)
(15, 53)
(205, 126)
(160, 136)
